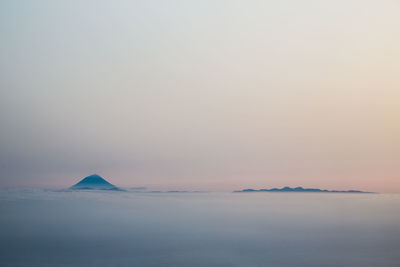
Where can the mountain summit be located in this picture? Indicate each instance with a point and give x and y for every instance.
(95, 182)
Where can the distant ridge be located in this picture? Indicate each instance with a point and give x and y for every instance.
(94, 182)
(298, 189)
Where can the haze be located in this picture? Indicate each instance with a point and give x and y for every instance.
(45, 228)
(201, 95)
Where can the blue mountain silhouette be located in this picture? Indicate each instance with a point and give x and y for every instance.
(299, 189)
(95, 182)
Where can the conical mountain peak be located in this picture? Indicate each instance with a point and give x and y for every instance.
(94, 181)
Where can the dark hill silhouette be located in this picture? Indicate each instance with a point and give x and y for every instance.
(94, 182)
(299, 189)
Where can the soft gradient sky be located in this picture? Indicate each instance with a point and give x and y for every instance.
(214, 95)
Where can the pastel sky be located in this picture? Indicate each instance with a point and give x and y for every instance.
(201, 95)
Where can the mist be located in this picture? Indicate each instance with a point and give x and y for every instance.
(78, 228)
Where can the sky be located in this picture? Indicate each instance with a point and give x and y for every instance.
(201, 95)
